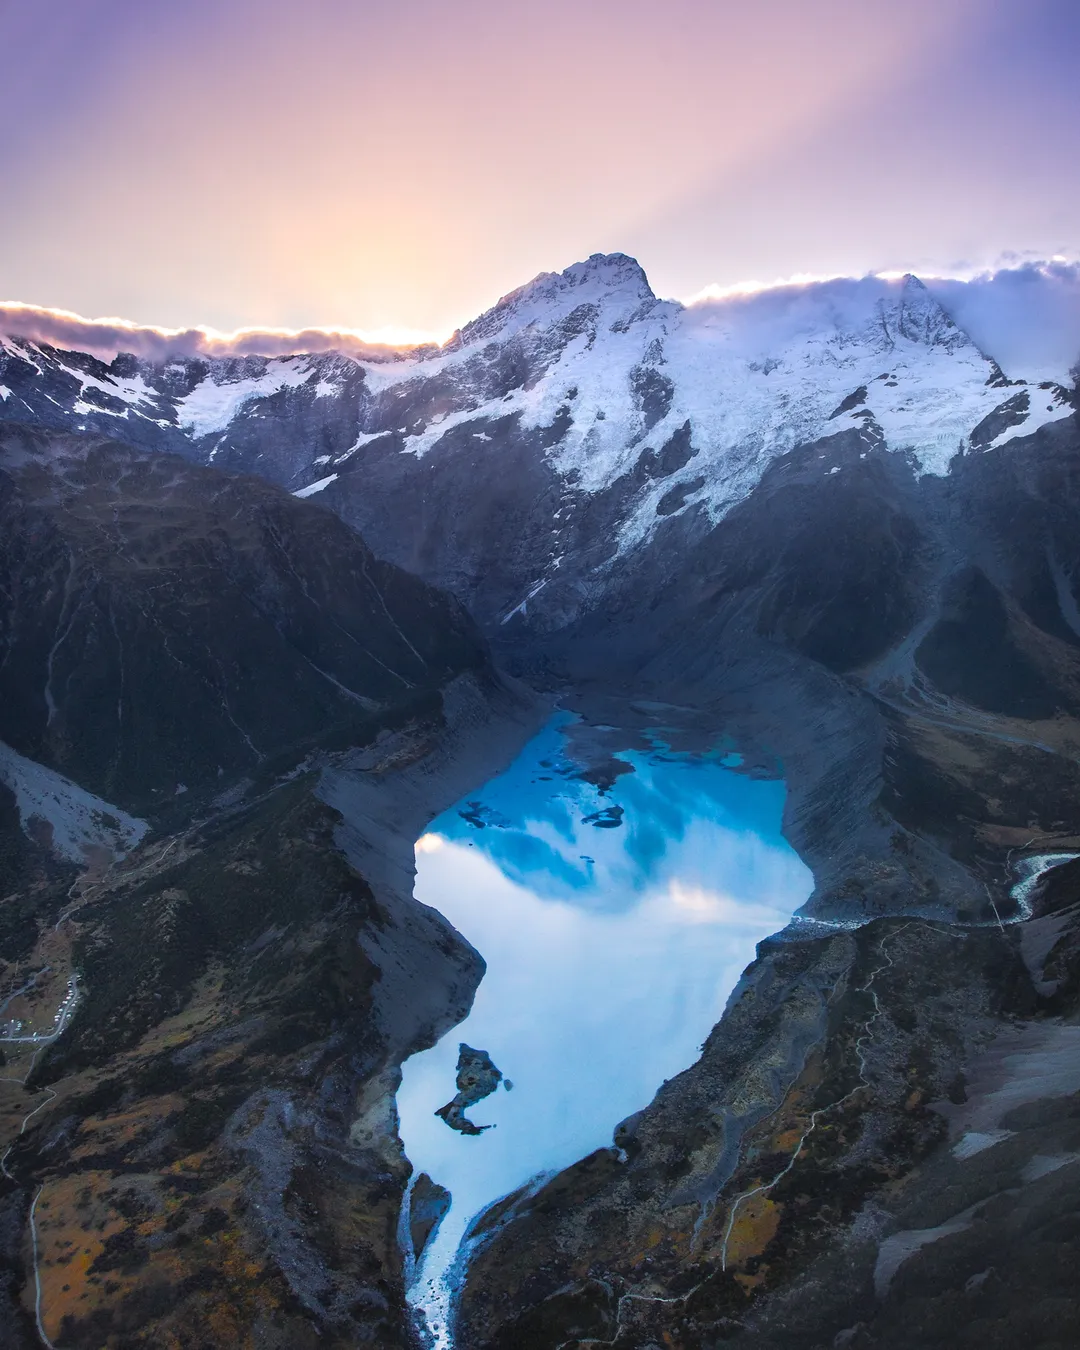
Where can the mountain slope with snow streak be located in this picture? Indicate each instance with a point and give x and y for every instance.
(754, 374)
(753, 378)
(581, 407)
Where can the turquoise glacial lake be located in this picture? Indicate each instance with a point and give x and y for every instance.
(614, 926)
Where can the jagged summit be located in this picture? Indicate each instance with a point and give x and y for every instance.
(614, 270)
(872, 311)
(603, 279)
(922, 318)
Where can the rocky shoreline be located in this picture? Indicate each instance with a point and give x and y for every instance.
(855, 1160)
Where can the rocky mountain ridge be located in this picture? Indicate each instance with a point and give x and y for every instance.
(167, 627)
(581, 410)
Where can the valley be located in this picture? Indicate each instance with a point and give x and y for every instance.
(583, 651)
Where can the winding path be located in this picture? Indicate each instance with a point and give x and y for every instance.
(37, 1194)
(39, 1040)
(864, 1082)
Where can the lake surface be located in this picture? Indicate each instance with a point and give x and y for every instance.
(614, 926)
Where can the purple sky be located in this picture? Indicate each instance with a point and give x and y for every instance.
(399, 166)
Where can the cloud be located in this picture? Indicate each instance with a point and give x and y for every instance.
(697, 904)
(1025, 314)
(106, 337)
(742, 289)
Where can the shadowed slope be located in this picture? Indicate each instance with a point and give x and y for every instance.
(167, 626)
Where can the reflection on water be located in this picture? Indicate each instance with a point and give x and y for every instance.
(614, 926)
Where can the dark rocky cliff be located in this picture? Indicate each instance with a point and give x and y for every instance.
(219, 657)
(167, 626)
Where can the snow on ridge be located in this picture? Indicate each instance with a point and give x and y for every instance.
(1026, 315)
(843, 311)
(604, 280)
(211, 406)
(130, 387)
(754, 375)
(73, 820)
(14, 346)
(761, 375)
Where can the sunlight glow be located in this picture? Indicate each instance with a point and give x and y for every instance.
(738, 289)
(111, 334)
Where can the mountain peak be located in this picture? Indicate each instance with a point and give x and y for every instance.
(614, 270)
(920, 317)
(603, 279)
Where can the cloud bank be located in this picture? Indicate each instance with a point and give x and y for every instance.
(1026, 315)
(107, 337)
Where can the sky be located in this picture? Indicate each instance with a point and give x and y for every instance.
(393, 169)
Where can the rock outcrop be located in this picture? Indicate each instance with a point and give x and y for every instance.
(477, 1078)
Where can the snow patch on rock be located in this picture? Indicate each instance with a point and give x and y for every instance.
(72, 820)
(317, 486)
(212, 406)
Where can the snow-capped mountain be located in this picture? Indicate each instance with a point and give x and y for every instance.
(592, 353)
(566, 424)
